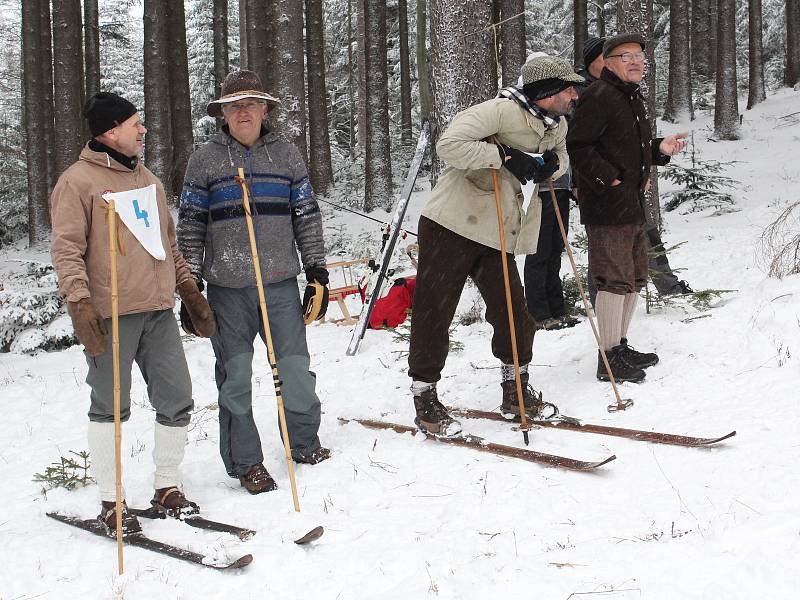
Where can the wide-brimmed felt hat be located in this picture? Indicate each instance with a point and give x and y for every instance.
(544, 76)
(240, 85)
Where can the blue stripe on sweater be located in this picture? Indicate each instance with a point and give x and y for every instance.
(257, 190)
(194, 198)
(219, 180)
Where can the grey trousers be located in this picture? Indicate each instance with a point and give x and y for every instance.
(238, 322)
(152, 340)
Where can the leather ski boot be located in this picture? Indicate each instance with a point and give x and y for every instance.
(620, 367)
(535, 407)
(170, 500)
(638, 359)
(312, 458)
(432, 417)
(258, 480)
(108, 517)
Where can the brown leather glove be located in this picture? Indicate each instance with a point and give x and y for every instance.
(89, 326)
(200, 316)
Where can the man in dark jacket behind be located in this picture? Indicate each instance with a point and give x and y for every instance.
(611, 147)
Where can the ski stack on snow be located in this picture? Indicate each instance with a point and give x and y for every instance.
(376, 284)
(482, 445)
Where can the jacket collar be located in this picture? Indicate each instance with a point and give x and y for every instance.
(226, 139)
(628, 88)
(100, 154)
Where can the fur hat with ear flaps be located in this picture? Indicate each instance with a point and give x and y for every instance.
(239, 85)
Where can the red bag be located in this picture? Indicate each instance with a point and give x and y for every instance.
(392, 310)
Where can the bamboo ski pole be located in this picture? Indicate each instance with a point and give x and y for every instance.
(112, 248)
(268, 335)
(621, 404)
(509, 308)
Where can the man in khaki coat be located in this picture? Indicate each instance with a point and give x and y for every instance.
(146, 287)
(458, 232)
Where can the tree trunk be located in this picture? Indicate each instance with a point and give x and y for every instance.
(512, 39)
(756, 91)
(33, 90)
(319, 166)
(679, 92)
(461, 57)
(158, 146)
(423, 68)
(637, 16)
(91, 33)
(792, 72)
(47, 108)
(704, 38)
(180, 97)
(220, 27)
(68, 82)
(289, 119)
(580, 31)
(361, 52)
(259, 21)
(726, 107)
(405, 75)
(378, 160)
(600, 7)
(243, 62)
(351, 83)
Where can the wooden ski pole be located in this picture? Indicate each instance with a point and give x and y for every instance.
(509, 308)
(112, 249)
(268, 335)
(621, 404)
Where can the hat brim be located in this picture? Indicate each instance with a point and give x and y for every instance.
(214, 108)
(572, 78)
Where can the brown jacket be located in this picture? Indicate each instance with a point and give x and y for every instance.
(80, 247)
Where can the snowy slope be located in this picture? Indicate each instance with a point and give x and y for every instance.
(407, 518)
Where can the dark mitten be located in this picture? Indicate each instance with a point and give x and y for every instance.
(546, 170)
(315, 298)
(521, 165)
(197, 317)
(89, 325)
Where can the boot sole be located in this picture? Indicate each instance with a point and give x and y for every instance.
(621, 379)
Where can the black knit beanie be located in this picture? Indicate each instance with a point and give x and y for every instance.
(105, 111)
(592, 49)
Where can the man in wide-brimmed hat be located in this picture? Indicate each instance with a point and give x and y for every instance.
(213, 236)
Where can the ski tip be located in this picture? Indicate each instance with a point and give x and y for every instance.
(600, 463)
(720, 439)
(239, 562)
(311, 536)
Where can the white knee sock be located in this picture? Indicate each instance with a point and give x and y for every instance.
(627, 312)
(609, 318)
(101, 456)
(170, 444)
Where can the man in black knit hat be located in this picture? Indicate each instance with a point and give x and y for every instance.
(148, 332)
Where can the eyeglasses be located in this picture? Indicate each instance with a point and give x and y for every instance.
(237, 106)
(627, 57)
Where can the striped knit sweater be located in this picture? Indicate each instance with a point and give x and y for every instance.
(212, 231)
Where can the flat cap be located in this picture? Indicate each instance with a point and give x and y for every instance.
(622, 38)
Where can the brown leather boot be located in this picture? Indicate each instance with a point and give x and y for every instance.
(432, 417)
(258, 480)
(170, 500)
(108, 516)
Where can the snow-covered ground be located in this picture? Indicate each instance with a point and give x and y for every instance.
(409, 518)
